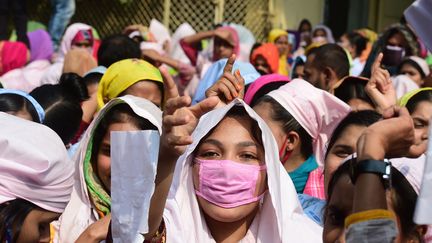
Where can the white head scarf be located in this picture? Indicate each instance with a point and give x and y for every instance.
(69, 35)
(281, 216)
(329, 33)
(80, 212)
(34, 164)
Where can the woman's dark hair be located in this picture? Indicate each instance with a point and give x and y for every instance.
(12, 216)
(358, 41)
(353, 88)
(424, 95)
(359, 118)
(280, 114)
(115, 48)
(62, 104)
(92, 78)
(304, 22)
(121, 113)
(14, 103)
(412, 63)
(403, 195)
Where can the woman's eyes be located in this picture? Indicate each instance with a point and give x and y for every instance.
(209, 154)
(418, 124)
(249, 156)
(342, 153)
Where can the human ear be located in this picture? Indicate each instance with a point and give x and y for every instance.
(330, 77)
(293, 141)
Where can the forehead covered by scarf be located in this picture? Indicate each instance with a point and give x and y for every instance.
(403, 101)
(270, 53)
(261, 82)
(70, 34)
(12, 55)
(34, 164)
(233, 38)
(36, 105)
(276, 33)
(316, 110)
(123, 74)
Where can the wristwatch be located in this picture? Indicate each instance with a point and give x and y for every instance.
(380, 167)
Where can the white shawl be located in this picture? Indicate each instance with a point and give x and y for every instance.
(281, 216)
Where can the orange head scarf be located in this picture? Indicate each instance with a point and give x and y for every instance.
(270, 53)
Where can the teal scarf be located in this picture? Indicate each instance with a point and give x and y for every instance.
(300, 175)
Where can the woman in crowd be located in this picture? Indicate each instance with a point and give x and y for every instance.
(279, 37)
(134, 77)
(90, 205)
(411, 75)
(351, 90)
(35, 182)
(322, 34)
(62, 105)
(266, 59)
(28, 77)
(224, 42)
(76, 36)
(21, 104)
(395, 43)
(233, 149)
(355, 44)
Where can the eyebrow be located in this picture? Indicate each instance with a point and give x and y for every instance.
(241, 144)
(420, 119)
(213, 141)
(247, 144)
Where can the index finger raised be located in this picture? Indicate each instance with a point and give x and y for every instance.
(170, 87)
(229, 64)
(377, 62)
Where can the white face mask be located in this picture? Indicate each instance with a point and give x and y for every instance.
(319, 39)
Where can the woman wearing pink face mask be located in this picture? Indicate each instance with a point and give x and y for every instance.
(228, 185)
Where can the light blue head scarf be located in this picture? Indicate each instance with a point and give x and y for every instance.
(36, 105)
(215, 71)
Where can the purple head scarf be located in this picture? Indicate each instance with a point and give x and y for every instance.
(41, 46)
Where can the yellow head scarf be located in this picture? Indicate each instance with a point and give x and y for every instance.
(276, 33)
(273, 35)
(404, 100)
(123, 74)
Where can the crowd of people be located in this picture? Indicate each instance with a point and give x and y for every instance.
(300, 138)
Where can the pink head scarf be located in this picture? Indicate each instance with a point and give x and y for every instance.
(70, 34)
(34, 164)
(317, 111)
(233, 38)
(260, 83)
(12, 55)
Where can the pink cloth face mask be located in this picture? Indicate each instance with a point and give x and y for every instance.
(228, 184)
